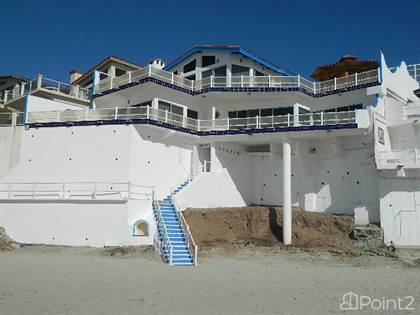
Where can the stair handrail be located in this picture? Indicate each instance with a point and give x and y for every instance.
(167, 243)
(191, 242)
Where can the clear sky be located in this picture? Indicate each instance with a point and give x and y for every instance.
(54, 37)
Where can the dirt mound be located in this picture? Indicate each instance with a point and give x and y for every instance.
(6, 243)
(263, 226)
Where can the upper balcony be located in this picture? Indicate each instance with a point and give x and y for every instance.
(269, 83)
(49, 86)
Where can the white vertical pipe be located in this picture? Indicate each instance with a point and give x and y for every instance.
(287, 193)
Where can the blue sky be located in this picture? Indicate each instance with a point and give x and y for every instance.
(53, 37)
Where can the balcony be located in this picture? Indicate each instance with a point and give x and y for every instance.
(236, 82)
(45, 85)
(412, 111)
(166, 119)
(409, 158)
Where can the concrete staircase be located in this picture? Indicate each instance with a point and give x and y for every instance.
(174, 239)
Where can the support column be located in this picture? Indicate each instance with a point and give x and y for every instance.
(287, 193)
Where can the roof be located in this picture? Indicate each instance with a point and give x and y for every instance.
(103, 62)
(17, 77)
(347, 65)
(234, 49)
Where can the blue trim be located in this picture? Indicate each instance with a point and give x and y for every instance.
(234, 50)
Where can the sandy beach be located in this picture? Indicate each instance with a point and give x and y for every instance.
(56, 280)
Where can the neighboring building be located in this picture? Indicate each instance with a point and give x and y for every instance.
(346, 66)
(111, 66)
(218, 127)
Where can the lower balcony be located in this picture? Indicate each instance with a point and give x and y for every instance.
(395, 159)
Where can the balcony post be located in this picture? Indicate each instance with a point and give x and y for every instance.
(335, 83)
(116, 113)
(227, 123)
(166, 115)
(150, 70)
(355, 78)
(172, 78)
(298, 80)
(129, 76)
(242, 81)
(110, 83)
(269, 80)
(322, 118)
(211, 81)
(58, 116)
(147, 112)
(6, 94)
(22, 88)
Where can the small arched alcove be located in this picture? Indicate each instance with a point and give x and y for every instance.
(141, 228)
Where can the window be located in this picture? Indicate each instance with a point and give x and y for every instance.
(208, 61)
(220, 72)
(103, 75)
(206, 74)
(239, 70)
(141, 228)
(172, 108)
(190, 66)
(119, 72)
(192, 114)
(263, 112)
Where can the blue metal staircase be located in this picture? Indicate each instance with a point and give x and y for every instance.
(174, 240)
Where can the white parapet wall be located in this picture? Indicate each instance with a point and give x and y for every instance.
(64, 163)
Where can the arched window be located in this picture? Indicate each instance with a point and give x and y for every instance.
(141, 228)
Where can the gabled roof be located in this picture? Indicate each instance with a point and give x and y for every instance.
(105, 61)
(234, 49)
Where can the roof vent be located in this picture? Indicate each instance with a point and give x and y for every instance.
(157, 63)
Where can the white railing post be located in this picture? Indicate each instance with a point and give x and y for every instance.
(227, 123)
(129, 76)
(355, 78)
(257, 122)
(110, 83)
(314, 87)
(379, 74)
(147, 112)
(198, 125)
(116, 113)
(269, 80)
(172, 78)
(166, 115)
(335, 83)
(298, 80)
(192, 85)
(58, 116)
(242, 81)
(211, 81)
(288, 120)
(322, 118)
(6, 94)
(22, 88)
(150, 70)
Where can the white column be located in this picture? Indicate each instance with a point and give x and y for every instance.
(228, 74)
(287, 193)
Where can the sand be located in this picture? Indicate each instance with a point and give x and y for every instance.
(55, 280)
